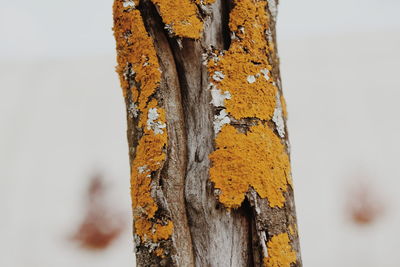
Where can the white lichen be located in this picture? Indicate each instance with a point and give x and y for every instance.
(211, 55)
(217, 192)
(142, 169)
(169, 28)
(133, 110)
(154, 125)
(128, 3)
(220, 120)
(128, 72)
(273, 8)
(152, 246)
(233, 36)
(152, 114)
(179, 42)
(278, 117)
(263, 242)
(218, 98)
(288, 147)
(251, 79)
(268, 33)
(265, 73)
(204, 58)
(218, 76)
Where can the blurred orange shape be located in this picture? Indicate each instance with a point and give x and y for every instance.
(364, 205)
(101, 224)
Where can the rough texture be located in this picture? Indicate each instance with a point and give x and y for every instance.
(211, 181)
(256, 158)
(280, 252)
(245, 66)
(181, 17)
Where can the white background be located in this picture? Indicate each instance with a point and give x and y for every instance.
(62, 119)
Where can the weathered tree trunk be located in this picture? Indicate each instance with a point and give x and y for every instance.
(210, 172)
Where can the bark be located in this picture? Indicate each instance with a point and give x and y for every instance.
(210, 172)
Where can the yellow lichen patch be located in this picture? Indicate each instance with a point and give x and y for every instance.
(154, 232)
(251, 94)
(181, 16)
(137, 56)
(159, 252)
(149, 152)
(256, 159)
(284, 109)
(135, 48)
(150, 156)
(249, 20)
(280, 253)
(245, 65)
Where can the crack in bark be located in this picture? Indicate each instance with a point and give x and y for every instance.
(173, 173)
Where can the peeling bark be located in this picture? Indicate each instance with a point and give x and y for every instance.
(197, 74)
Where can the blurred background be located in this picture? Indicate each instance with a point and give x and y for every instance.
(64, 172)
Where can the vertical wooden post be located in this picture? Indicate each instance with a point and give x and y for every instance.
(210, 171)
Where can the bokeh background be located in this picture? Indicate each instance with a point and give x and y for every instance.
(64, 173)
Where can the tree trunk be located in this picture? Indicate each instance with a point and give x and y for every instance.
(210, 173)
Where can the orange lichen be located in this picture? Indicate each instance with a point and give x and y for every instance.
(154, 232)
(280, 252)
(257, 159)
(135, 48)
(150, 156)
(244, 65)
(284, 109)
(137, 55)
(159, 252)
(181, 16)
